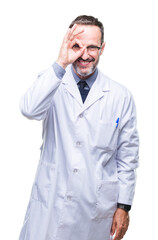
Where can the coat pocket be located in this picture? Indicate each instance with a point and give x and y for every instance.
(107, 196)
(43, 181)
(106, 136)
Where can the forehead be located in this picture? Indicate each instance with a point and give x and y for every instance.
(91, 34)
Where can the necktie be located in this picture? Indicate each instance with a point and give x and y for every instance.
(84, 89)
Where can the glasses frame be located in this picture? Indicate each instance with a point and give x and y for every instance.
(89, 48)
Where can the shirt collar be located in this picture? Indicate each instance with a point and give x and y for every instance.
(89, 80)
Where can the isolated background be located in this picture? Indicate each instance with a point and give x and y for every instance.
(31, 35)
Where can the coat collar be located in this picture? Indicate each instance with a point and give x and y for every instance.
(97, 91)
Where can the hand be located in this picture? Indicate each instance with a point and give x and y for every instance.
(67, 55)
(120, 223)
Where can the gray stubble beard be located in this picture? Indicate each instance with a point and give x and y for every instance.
(92, 70)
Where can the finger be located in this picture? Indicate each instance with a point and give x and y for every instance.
(118, 236)
(79, 43)
(80, 52)
(113, 228)
(67, 34)
(73, 27)
(74, 32)
(73, 35)
(120, 232)
(71, 30)
(117, 233)
(76, 41)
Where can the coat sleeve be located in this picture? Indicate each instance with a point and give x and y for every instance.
(127, 154)
(36, 102)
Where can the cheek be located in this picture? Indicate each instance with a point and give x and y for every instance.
(96, 60)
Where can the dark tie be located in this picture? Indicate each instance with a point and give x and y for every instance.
(84, 89)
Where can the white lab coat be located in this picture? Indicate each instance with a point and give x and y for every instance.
(88, 157)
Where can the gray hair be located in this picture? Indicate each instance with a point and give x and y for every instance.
(89, 20)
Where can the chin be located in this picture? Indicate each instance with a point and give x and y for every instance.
(84, 73)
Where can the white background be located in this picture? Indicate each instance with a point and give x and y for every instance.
(31, 34)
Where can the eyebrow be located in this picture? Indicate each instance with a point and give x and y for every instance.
(93, 46)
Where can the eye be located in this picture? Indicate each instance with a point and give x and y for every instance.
(92, 48)
(76, 47)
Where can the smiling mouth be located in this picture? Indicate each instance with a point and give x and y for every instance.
(86, 62)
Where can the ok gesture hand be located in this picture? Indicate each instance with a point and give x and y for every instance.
(67, 55)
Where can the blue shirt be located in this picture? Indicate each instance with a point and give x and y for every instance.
(59, 71)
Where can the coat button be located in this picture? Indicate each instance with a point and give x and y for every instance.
(75, 170)
(78, 144)
(69, 197)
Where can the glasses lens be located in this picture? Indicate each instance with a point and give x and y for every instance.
(92, 49)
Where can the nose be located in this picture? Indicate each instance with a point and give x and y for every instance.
(85, 54)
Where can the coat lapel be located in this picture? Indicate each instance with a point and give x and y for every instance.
(100, 86)
(97, 91)
(71, 86)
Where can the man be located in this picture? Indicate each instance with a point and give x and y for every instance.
(85, 181)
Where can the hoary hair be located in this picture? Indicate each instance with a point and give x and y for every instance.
(89, 20)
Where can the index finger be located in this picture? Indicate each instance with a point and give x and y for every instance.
(74, 32)
(78, 42)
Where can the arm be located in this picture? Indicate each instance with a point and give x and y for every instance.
(127, 153)
(127, 162)
(37, 100)
(35, 103)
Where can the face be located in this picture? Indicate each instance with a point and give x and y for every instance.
(87, 63)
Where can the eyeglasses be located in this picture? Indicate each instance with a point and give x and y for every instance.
(90, 49)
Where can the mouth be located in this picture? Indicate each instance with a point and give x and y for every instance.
(84, 63)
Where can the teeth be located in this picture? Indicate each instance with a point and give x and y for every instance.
(84, 63)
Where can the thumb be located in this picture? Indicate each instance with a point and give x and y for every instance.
(80, 52)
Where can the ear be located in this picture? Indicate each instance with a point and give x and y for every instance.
(102, 48)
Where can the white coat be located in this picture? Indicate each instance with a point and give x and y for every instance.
(88, 157)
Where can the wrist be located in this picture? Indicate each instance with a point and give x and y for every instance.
(125, 207)
(61, 63)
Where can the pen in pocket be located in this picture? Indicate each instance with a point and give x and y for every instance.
(117, 122)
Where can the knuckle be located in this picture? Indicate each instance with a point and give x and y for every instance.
(120, 227)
